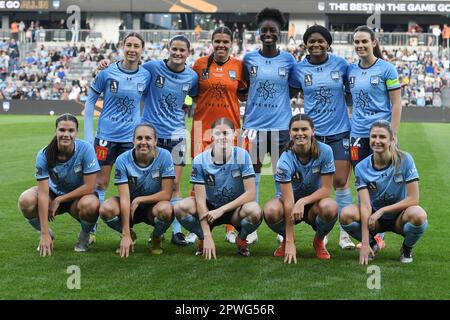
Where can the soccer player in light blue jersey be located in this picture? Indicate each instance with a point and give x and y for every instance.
(122, 84)
(268, 108)
(376, 95)
(144, 177)
(172, 81)
(66, 172)
(321, 77)
(224, 185)
(305, 172)
(388, 187)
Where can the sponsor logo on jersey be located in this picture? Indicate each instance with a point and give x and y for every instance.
(92, 164)
(101, 152)
(351, 82)
(113, 86)
(205, 74)
(117, 174)
(159, 82)
(253, 71)
(308, 80)
(194, 172)
(210, 180)
(372, 185)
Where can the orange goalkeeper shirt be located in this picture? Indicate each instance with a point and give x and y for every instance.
(217, 98)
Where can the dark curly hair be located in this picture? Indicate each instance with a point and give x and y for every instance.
(270, 14)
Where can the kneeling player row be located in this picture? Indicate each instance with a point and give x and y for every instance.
(225, 192)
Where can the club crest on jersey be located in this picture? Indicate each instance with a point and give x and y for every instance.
(374, 80)
(185, 87)
(351, 82)
(316, 169)
(232, 74)
(236, 173)
(78, 168)
(398, 178)
(155, 175)
(114, 86)
(205, 74)
(335, 75)
(282, 72)
(140, 88)
(308, 80)
(159, 82)
(253, 71)
(372, 185)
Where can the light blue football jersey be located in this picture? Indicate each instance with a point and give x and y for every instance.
(122, 92)
(323, 86)
(386, 186)
(144, 181)
(223, 183)
(163, 104)
(68, 176)
(370, 94)
(268, 103)
(305, 178)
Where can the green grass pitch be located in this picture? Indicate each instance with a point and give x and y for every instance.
(178, 274)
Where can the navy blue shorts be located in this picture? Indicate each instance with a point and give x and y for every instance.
(340, 143)
(63, 206)
(176, 147)
(387, 224)
(359, 150)
(305, 216)
(142, 214)
(224, 219)
(108, 151)
(262, 142)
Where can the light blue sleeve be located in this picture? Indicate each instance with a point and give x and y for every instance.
(168, 170)
(410, 170)
(360, 183)
(120, 175)
(90, 162)
(41, 166)
(197, 171)
(284, 171)
(245, 62)
(99, 82)
(247, 167)
(294, 80)
(194, 88)
(89, 108)
(327, 163)
(391, 77)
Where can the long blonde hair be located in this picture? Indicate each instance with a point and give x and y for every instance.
(396, 154)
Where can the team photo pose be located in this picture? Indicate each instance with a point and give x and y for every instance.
(268, 108)
(122, 84)
(144, 177)
(171, 82)
(221, 81)
(224, 185)
(388, 188)
(376, 95)
(305, 174)
(322, 76)
(66, 171)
